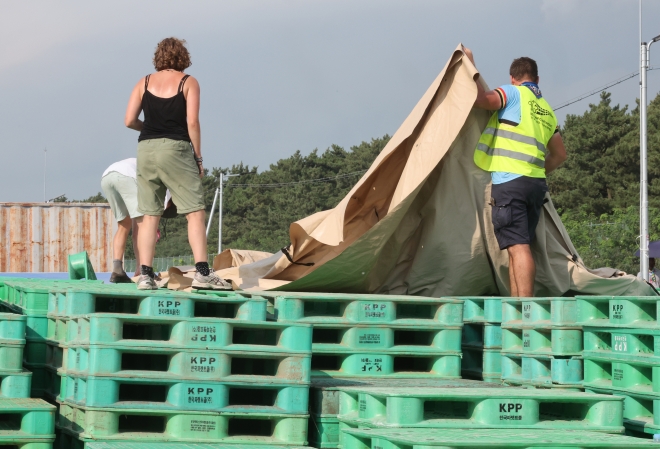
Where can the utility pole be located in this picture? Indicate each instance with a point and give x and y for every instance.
(218, 197)
(644, 193)
(44, 174)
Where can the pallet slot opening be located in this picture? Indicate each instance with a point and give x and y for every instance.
(132, 361)
(413, 364)
(142, 393)
(317, 308)
(415, 311)
(250, 427)
(252, 396)
(141, 423)
(322, 335)
(562, 411)
(10, 421)
(473, 334)
(246, 336)
(205, 309)
(413, 338)
(105, 304)
(256, 367)
(446, 410)
(326, 362)
(152, 332)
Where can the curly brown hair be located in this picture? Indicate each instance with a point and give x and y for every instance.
(171, 53)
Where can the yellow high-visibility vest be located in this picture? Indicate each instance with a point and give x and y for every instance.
(518, 149)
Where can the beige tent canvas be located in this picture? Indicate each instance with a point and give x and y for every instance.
(418, 221)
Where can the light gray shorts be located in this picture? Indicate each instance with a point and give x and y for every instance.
(121, 192)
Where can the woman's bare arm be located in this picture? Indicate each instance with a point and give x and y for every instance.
(132, 120)
(192, 93)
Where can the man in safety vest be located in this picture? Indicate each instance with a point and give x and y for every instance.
(519, 147)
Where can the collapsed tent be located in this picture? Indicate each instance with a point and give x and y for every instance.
(418, 222)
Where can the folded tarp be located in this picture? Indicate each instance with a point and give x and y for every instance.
(418, 222)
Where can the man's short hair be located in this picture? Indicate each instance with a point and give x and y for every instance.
(524, 67)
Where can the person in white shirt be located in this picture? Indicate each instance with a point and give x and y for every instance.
(120, 188)
(654, 274)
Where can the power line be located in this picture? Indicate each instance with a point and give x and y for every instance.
(307, 181)
(600, 89)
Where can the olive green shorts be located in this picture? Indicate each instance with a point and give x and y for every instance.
(168, 164)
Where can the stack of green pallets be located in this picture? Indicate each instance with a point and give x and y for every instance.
(478, 408)
(541, 343)
(29, 297)
(370, 340)
(487, 439)
(622, 355)
(482, 338)
(24, 423)
(167, 366)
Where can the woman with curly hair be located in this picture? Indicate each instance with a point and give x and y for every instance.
(169, 156)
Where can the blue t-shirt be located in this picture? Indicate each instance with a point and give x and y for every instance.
(510, 113)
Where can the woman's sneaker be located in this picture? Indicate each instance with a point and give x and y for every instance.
(146, 282)
(210, 282)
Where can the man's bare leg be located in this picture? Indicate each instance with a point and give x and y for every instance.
(512, 277)
(524, 269)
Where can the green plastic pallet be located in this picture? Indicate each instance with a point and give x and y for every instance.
(630, 345)
(391, 363)
(118, 330)
(26, 419)
(4, 288)
(31, 296)
(124, 392)
(67, 441)
(350, 309)
(486, 439)
(323, 431)
(12, 329)
(481, 309)
(178, 426)
(619, 311)
(36, 328)
(482, 335)
(482, 364)
(185, 446)
(324, 393)
(480, 408)
(166, 303)
(636, 377)
(542, 341)
(539, 312)
(161, 363)
(641, 413)
(422, 339)
(15, 385)
(11, 358)
(542, 371)
(33, 443)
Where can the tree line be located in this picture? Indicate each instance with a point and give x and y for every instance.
(596, 191)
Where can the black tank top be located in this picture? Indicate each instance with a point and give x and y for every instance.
(164, 117)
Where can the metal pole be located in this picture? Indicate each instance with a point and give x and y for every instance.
(44, 175)
(208, 226)
(644, 215)
(220, 216)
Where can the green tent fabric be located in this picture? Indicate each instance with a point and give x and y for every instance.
(418, 222)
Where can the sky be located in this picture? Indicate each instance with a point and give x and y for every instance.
(278, 76)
